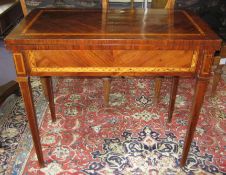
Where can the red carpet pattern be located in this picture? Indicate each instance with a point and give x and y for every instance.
(131, 135)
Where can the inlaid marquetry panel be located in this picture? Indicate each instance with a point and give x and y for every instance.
(156, 23)
(85, 29)
(19, 63)
(112, 61)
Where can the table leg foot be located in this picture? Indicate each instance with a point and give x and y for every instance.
(173, 94)
(26, 91)
(200, 89)
(48, 91)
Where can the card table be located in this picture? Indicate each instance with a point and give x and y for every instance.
(101, 43)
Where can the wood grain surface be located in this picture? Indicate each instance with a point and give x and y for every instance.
(92, 29)
(135, 42)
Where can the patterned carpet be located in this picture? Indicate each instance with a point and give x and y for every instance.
(13, 126)
(130, 136)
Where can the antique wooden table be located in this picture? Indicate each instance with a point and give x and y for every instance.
(70, 42)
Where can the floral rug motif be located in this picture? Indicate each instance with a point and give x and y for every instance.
(13, 124)
(130, 136)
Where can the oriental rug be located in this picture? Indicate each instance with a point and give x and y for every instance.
(13, 125)
(130, 136)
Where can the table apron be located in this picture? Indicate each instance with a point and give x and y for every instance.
(109, 62)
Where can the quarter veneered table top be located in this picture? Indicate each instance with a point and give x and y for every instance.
(59, 25)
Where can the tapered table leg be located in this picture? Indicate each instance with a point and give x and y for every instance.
(26, 91)
(216, 79)
(48, 91)
(158, 83)
(173, 94)
(107, 88)
(200, 89)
